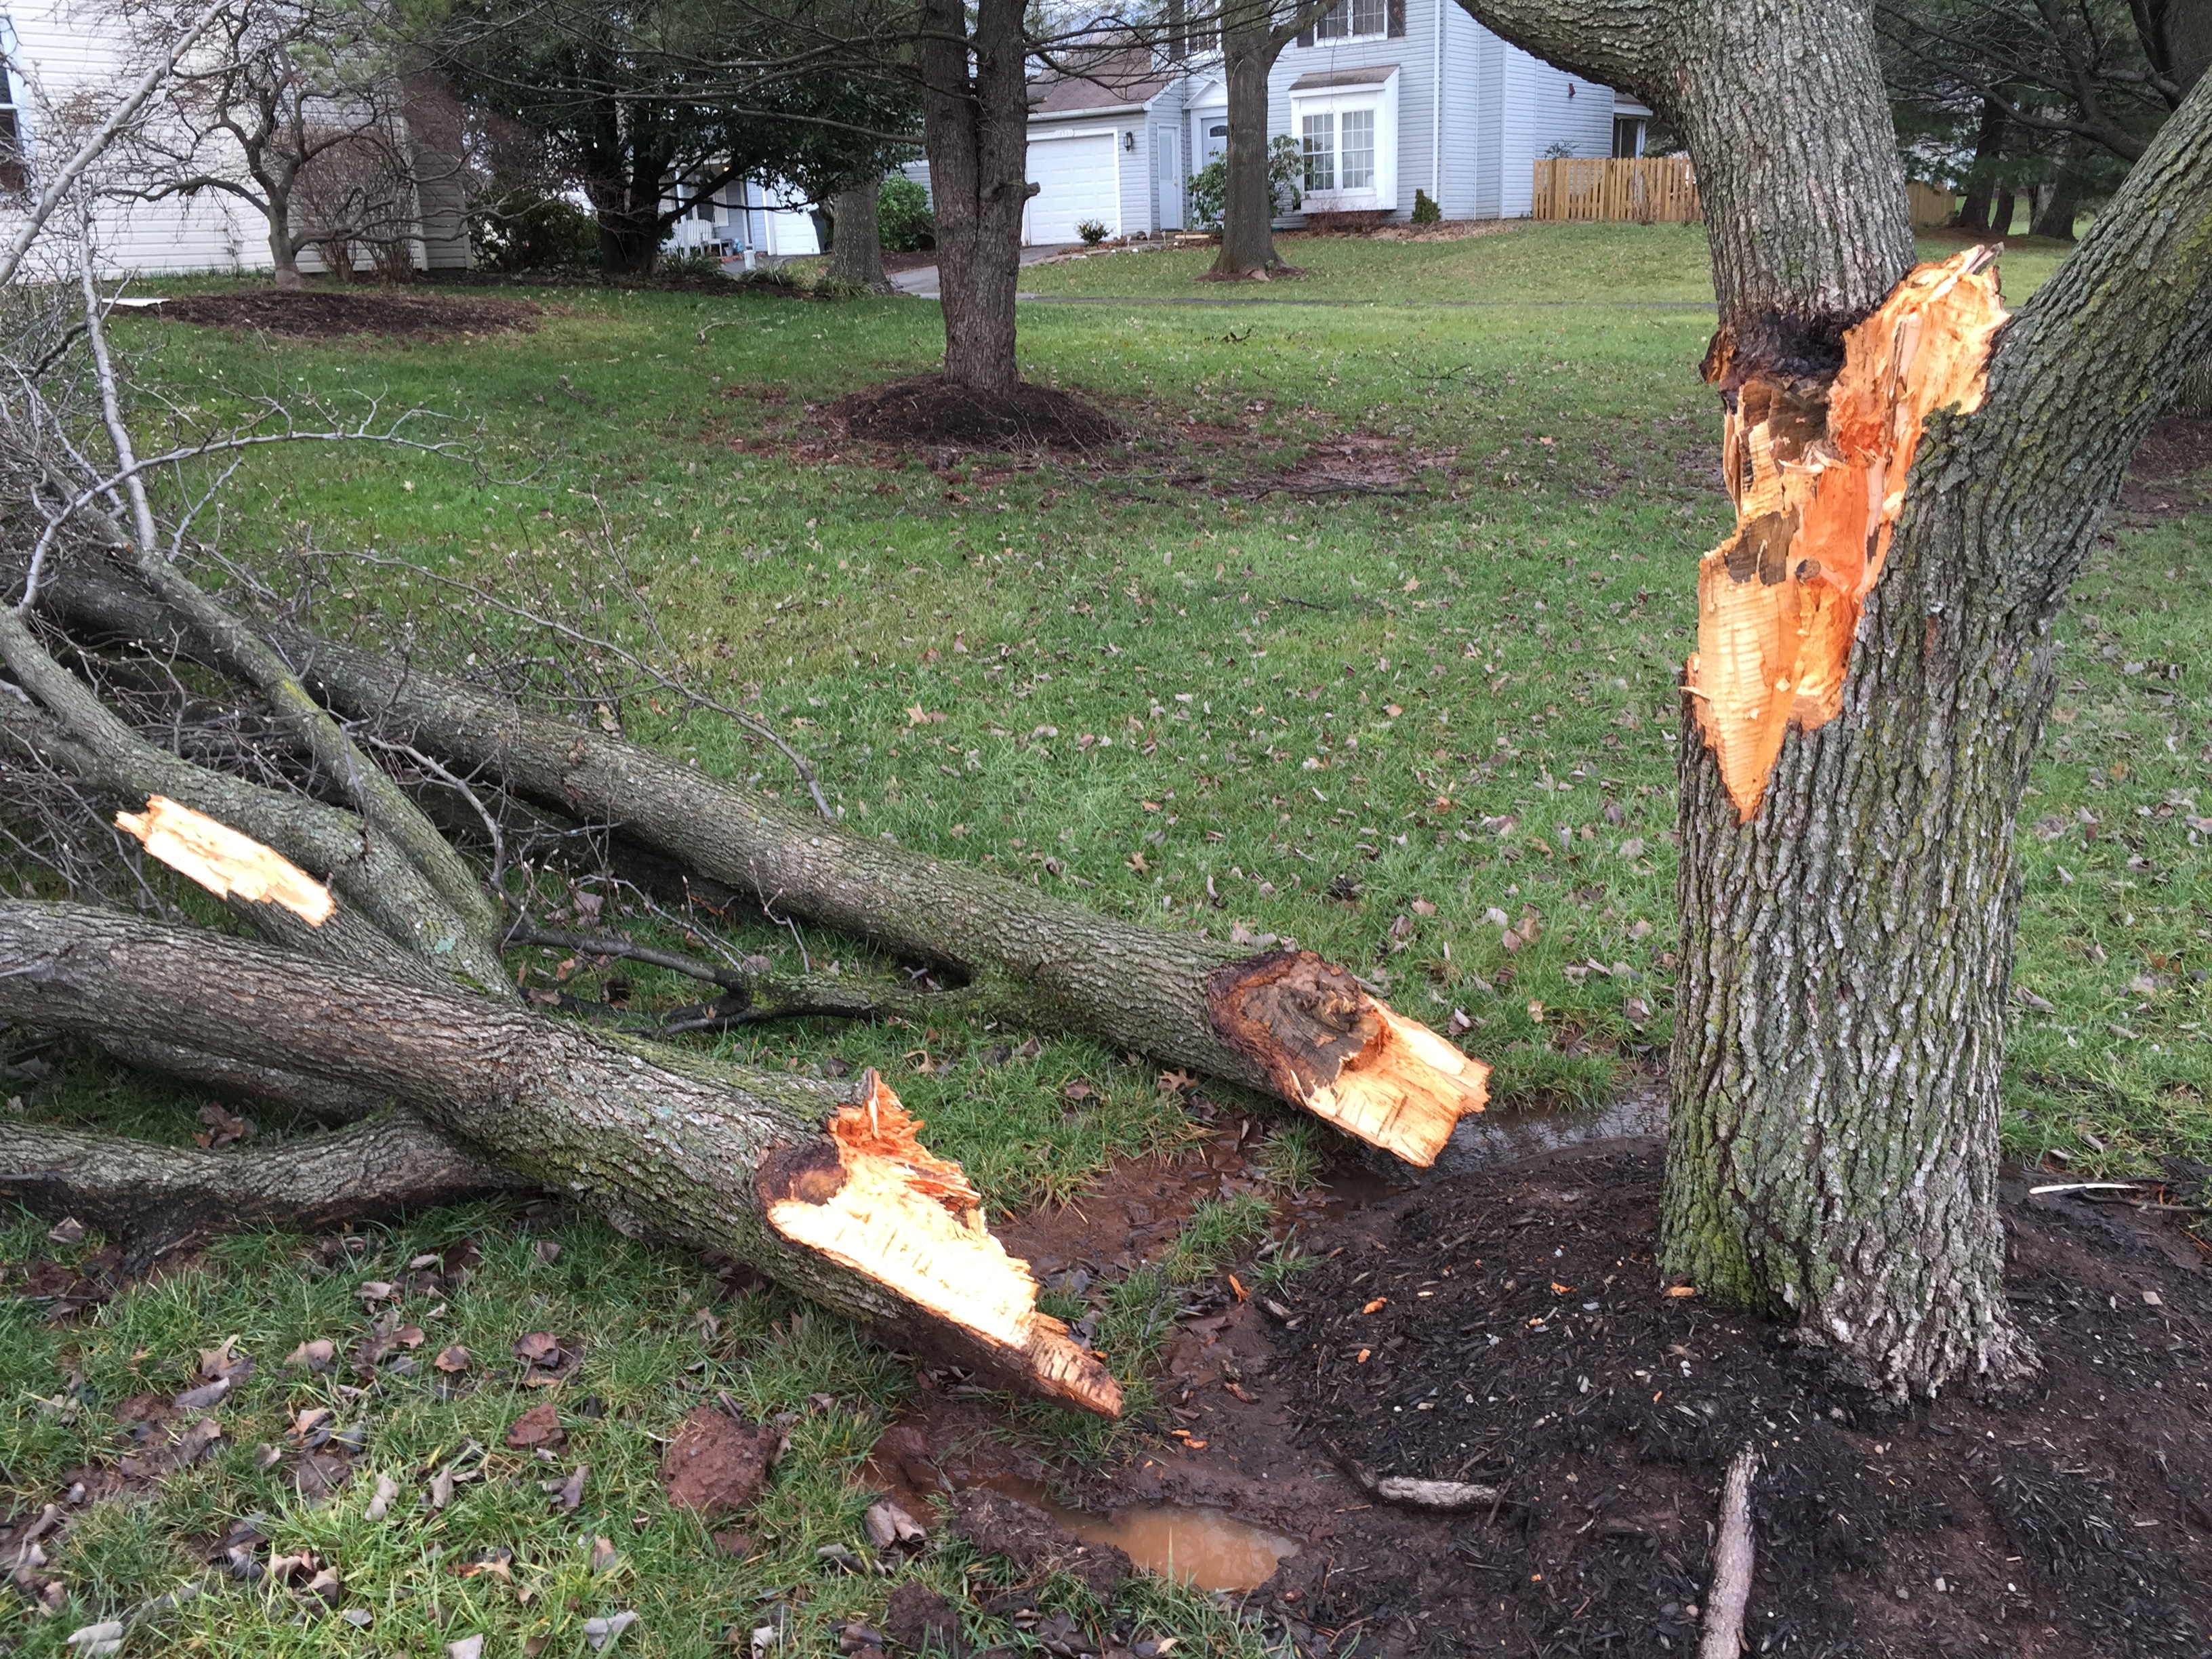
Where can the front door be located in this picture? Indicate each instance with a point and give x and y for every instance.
(1169, 143)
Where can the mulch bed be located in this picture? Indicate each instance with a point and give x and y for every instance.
(2171, 475)
(929, 409)
(321, 314)
(1521, 1339)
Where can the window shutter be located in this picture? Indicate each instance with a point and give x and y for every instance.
(1397, 19)
(1306, 38)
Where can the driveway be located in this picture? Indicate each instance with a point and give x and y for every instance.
(923, 283)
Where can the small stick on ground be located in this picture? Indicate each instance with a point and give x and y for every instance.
(1440, 1497)
(1730, 1590)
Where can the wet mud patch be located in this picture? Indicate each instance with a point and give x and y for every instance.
(319, 314)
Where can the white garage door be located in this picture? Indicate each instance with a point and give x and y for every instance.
(1077, 180)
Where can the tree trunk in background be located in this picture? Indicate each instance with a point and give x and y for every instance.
(1846, 953)
(975, 130)
(2054, 214)
(2002, 206)
(283, 258)
(627, 208)
(1249, 47)
(856, 246)
(1981, 184)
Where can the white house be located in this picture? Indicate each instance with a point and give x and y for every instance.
(64, 55)
(1385, 98)
(747, 216)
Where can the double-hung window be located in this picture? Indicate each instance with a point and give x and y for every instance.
(1355, 149)
(1350, 19)
(1317, 138)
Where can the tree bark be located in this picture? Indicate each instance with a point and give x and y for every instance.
(1047, 962)
(2054, 214)
(134, 1189)
(284, 256)
(1981, 183)
(2002, 206)
(975, 130)
(1250, 44)
(826, 1193)
(1846, 951)
(856, 247)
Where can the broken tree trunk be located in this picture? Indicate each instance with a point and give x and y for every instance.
(828, 1194)
(1286, 1022)
(1846, 951)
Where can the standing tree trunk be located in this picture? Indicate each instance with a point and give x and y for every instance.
(856, 246)
(283, 255)
(2054, 214)
(976, 130)
(1848, 922)
(1981, 183)
(1250, 43)
(2001, 208)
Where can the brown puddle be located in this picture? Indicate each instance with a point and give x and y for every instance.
(1209, 1548)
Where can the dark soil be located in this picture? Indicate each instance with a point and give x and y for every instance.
(1506, 1327)
(321, 314)
(929, 409)
(2171, 475)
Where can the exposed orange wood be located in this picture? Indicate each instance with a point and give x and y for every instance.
(228, 864)
(895, 1212)
(1819, 474)
(1351, 1059)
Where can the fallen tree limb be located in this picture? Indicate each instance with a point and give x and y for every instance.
(1288, 1022)
(319, 1098)
(824, 1189)
(1437, 1497)
(136, 1188)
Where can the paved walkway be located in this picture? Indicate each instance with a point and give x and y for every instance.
(923, 283)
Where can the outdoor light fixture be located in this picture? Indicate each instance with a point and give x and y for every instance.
(1129, 140)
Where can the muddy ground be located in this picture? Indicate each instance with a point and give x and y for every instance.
(1506, 1325)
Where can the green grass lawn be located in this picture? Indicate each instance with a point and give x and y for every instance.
(1452, 693)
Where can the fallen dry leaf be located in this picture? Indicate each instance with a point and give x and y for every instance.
(319, 1357)
(380, 1505)
(538, 1348)
(568, 1494)
(68, 1230)
(538, 1426)
(604, 1557)
(451, 1360)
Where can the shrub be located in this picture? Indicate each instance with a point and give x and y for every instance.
(904, 221)
(1091, 231)
(531, 230)
(1425, 211)
(691, 262)
(1208, 189)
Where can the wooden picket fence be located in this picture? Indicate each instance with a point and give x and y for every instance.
(1658, 189)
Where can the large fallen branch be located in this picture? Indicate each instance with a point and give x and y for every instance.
(822, 1188)
(1286, 1022)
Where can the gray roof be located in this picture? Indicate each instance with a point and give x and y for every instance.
(1352, 77)
(1110, 81)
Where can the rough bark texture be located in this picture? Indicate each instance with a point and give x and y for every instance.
(135, 1189)
(976, 130)
(319, 1098)
(654, 1140)
(856, 247)
(1250, 44)
(1846, 954)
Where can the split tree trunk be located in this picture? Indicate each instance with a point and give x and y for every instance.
(856, 246)
(826, 1193)
(975, 130)
(1250, 45)
(1846, 951)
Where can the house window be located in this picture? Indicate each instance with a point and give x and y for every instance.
(1355, 147)
(15, 175)
(1318, 139)
(1349, 20)
(1627, 137)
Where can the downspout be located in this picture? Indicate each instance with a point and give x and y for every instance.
(1437, 116)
